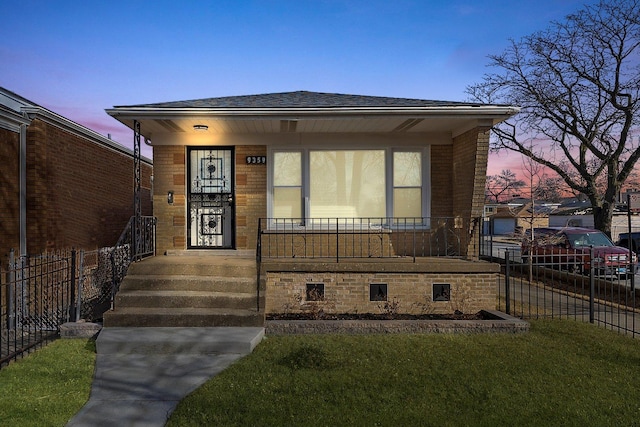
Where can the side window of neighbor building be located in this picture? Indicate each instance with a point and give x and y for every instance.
(407, 184)
(287, 184)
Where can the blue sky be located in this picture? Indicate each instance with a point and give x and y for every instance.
(79, 57)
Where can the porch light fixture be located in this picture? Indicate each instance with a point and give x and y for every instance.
(200, 128)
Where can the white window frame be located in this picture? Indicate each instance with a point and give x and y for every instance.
(389, 187)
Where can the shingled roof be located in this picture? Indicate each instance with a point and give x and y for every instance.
(300, 99)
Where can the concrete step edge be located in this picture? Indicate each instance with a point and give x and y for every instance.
(186, 293)
(176, 340)
(193, 277)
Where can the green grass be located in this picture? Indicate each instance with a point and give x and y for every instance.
(49, 386)
(562, 373)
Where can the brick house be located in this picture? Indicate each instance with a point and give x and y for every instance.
(361, 198)
(63, 185)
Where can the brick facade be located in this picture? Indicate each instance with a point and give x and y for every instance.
(470, 156)
(458, 173)
(79, 192)
(441, 181)
(251, 197)
(169, 175)
(9, 191)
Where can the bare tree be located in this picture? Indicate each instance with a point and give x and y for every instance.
(578, 83)
(549, 188)
(502, 185)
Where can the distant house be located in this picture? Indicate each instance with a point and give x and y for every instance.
(572, 212)
(62, 185)
(320, 179)
(509, 219)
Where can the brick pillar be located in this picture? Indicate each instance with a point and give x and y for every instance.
(470, 156)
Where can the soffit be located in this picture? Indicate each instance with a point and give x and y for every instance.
(308, 112)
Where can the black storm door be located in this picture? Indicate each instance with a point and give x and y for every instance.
(210, 198)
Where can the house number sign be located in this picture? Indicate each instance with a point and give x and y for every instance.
(256, 160)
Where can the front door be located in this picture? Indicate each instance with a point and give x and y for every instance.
(210, 198)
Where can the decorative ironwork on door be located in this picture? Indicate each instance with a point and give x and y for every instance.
(211, 198)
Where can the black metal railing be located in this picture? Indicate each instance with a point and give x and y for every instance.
(343, 238)
(146, 238)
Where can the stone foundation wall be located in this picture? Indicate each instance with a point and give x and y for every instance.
(410, 293)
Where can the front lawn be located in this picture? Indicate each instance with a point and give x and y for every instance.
(561, 373)
(49, 386)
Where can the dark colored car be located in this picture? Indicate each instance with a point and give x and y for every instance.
(623, 240)
(569, 248)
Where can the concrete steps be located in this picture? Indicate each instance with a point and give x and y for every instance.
(183, 291)
(189, 283)
(185, 298)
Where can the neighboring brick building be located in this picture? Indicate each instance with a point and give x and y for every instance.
(77, 185)
(322, 163)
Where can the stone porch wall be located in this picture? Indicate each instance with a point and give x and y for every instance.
(409, 285)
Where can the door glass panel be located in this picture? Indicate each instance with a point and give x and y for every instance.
(210, 171)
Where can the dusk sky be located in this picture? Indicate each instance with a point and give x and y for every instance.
(78, 58)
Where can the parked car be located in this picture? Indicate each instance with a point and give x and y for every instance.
(623, 240)
(569, 248)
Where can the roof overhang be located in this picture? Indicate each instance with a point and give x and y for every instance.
(160, 122)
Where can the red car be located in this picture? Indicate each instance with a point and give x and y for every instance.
(569, 248)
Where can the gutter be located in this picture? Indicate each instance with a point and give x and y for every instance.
(23, 190)
(480, 110)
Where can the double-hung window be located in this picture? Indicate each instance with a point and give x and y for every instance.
(287, 185)
(407, 184)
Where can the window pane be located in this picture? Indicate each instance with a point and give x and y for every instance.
(407, 202)
(407, 169)
(287, 202)
(347, 184)
(287, 169)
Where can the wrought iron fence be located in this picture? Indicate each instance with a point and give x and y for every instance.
(590, 285)
(40, 293)
(35, 298)
(379, 237)
(577, 286)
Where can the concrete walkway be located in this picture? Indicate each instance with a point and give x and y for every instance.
(142, 373)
